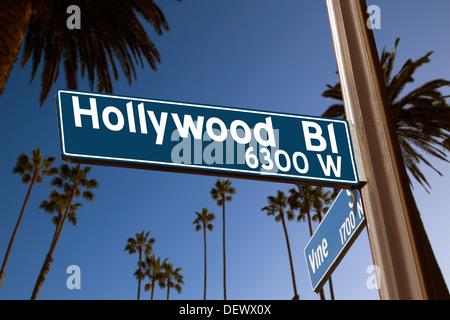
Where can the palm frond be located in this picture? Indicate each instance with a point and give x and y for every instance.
(421, 116)
(111, 35)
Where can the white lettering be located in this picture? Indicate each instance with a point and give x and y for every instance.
(324, 247)
(142, 122)
(120, 121)
(317, 135)
(77, 112)
(330, 165)
(188, 124)
(334, 148)
(247, 133)
(312, 263)
(159, 127)
(360, 209)
(287, 167)
(223, 129)
(317, 256)
(270, 134)
(305, 160)
(196, 310)
(130, 115)
(350, 193)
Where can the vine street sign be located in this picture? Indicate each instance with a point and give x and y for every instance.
(172, 136)
(334, 236)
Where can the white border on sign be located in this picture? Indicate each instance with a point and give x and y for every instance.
(344, 247)
(209, 168)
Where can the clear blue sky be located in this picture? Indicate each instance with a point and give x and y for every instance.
(249, 54)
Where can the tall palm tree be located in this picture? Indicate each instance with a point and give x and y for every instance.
(203, 221)
(142, 244)
(172, 277)
(32, 171)
(154, 270)
(222, 192)
(302, 198)
(277, 207)
(421, 116)
(57, 203)
(111, 35)
(74, 182)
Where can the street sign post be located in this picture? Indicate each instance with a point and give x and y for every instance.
(408, 269)
(334, 236)
(172, 136)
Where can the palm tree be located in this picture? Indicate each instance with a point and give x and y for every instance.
(277, 205)
(222, 193)
(110, 36)
(173, 277)
(203, 221)
(74, 182)
(422, 116)
(302, 199)
(320, 205)
(31, 171)
(57, 203)
(154, 270)
(142, 244)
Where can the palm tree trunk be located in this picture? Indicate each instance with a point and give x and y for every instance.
(49, 258)
(14, 18)
(43, 273)
(8, 251)
(168, 288)
(224, 255)
(310, 224)
(296, 295)
(139, 276)
(153, 287)
(204, 241)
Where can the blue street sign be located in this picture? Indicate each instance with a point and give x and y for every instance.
(172, 136)
(334, 236)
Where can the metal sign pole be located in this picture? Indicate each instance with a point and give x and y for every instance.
(400, 250)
